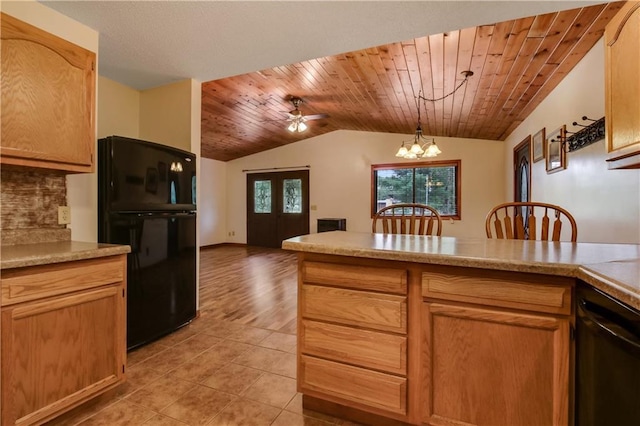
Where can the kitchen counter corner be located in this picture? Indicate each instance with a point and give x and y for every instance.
(22, 255)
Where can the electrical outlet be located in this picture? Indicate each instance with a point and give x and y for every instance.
(64, 215)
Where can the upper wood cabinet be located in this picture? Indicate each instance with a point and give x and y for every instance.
(622, 88)
(48, 100)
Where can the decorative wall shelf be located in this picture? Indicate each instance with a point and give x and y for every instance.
(588, 135)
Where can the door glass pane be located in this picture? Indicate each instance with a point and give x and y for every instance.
(292, 196)
(262, 196)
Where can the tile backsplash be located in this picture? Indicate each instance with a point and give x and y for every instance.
(29, 200)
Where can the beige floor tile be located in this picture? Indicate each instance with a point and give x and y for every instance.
(233, 378)
(220, 328)
(280, 341)
(272, 389)
(161, 393)
(160, 420)
(285, 366)
(287, 418)
(197, 344)
(179, 335)
(147, 351)
(199, 405)
(137, 376)
(195, 370)
(122, 412)
(249, 335)
(223, 353)
(167, 360)
(260, 358)
(243, 412)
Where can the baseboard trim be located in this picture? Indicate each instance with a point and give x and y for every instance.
(210, 246)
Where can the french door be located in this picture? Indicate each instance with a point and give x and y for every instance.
(277, 207)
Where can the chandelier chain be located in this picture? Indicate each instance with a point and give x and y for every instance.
(466, 74)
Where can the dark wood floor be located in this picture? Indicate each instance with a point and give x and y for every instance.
(249, 285)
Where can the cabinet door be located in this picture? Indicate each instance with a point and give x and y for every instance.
(48, 100)
(490, 367)
(60, 352)
(622, 44)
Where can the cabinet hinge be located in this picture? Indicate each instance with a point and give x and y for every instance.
(122, 368)
(123, 292)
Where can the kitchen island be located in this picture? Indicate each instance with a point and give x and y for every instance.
(441, 330)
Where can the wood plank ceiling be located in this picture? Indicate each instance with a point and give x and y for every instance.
(516, 64)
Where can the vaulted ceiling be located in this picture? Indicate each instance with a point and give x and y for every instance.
(515, 65)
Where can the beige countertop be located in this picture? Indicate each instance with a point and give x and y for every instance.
(613, 268)
(20, 255)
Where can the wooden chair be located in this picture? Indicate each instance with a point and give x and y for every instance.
(408, 218)
(519, 220)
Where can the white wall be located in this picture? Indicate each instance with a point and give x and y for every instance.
(166, 112)
(118, 109)
(605, 203)
(340, 178)
(212, 204)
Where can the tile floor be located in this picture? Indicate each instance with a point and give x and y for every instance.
(210, 372)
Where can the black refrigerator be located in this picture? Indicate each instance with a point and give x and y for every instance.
(147, 200)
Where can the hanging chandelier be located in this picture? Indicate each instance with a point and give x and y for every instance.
(421, 146)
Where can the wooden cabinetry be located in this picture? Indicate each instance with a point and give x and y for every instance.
(48, 100)
(496, 348)
(389, 342)
(353, 335)
(622, 87)
(63, 336)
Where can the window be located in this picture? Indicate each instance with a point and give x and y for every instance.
(435, 183)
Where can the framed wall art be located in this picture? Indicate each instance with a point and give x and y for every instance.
(556, 155)
(539, 146)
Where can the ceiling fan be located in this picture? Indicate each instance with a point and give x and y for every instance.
(297, 119)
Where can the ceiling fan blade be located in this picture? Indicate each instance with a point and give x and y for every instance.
(316, 116)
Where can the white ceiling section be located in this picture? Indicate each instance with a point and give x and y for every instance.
(145, 44)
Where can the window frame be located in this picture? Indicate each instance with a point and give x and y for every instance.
(419, 165)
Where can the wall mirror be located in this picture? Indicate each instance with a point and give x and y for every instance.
(556, 155)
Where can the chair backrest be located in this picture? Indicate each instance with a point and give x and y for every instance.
(529, 221)
(408, 218)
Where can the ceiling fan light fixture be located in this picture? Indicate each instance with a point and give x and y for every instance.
(301, 126)
(292, 127)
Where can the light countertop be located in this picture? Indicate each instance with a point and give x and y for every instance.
(613, 268)
(20, 255)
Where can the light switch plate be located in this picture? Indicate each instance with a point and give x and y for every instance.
(64, 215)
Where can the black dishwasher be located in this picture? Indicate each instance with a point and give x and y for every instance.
(607, 360)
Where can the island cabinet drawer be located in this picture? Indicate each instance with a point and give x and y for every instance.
(540, 293)
(357, 385)
(360, 308)
(37, 282)
(371, 349)
(387, 280)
